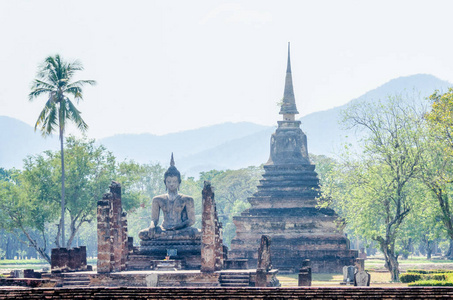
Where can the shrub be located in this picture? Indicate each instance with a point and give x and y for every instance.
(438, 277)
(431, 283)
(410, 277)
(428, 271)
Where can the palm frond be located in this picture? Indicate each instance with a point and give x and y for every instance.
(42, 84)
(73, 67)
(75, 116)
(77, 92)
(81, 83)
(47, 118)
(37, 92)
(51, 122)
(48, 70)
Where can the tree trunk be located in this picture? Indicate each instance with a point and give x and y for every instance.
(449, 253)
(391, 261)
(34, 244)
(62, 188)
(72, 233)
(57, 238)
(429, 249)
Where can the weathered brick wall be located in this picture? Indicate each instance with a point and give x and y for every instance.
(211, 241)
(112, 232)
(105, 246)
(231, 293)
(161, 279)
(63, 259)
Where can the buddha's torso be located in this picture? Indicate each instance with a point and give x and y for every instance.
(174, 210)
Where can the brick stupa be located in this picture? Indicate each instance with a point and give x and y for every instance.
(284, 207)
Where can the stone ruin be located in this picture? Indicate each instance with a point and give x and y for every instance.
(304, 278)
(69, 260)
(285, 206)
(113, 246)
(116, 253)
(264, 274)
(212, 251)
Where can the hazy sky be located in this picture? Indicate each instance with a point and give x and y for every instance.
(167, 66)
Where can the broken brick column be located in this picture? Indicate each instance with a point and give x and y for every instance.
(219, 249)
(118, 229)
(105, 249)
(264, 261)
(112, 232)
(211, 239)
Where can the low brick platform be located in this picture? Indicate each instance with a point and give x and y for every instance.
(25, 282)
(231, 293)
(156, 279)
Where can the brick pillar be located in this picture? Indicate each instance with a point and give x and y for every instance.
(104, 238)
(124, 241)
(112, 232)
(117, 227)
(208, 230)
(218, 242)
(264, 253)
(264, 262)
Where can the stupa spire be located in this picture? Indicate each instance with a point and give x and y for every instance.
(288, 108)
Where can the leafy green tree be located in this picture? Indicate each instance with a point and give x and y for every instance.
(370, 190)
(324, 165)
(90, 169)
(232, 188)
(422, 226)
(437, 166)
(4, 174)
(54, 80)
(25, 207)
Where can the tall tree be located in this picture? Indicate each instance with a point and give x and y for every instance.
(371, 189)
(437, 164)
(54, 79)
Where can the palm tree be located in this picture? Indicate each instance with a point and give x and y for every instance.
(54, 80)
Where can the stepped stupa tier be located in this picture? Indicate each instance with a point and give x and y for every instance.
(285, 205)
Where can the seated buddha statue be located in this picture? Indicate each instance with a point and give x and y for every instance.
(178, 212)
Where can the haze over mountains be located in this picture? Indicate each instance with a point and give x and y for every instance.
(222, 146)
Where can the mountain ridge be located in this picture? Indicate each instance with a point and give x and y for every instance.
(220, 146)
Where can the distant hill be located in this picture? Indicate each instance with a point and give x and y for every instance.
(147, 148)
(222, 146)
(250, 150)
(324, 133)
(18, 139)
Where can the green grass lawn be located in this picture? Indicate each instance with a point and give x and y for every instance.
(375, 266)
(6, 265)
